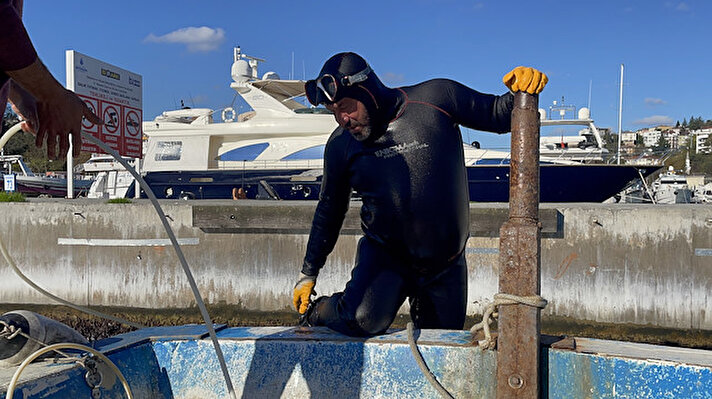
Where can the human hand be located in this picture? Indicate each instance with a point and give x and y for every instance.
(60, 114)
(525, 79)
(25, 106)
(58, 111)
(303, 290)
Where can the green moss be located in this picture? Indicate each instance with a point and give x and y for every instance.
(119, 201)
(6, 196)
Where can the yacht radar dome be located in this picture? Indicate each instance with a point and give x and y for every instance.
(270, 76)
(241, 71)
(244, 67)
(584, 113)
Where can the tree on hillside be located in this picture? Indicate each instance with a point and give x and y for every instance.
(695, 123)
(639, 141)
(610, 142)
(701, 163)
(662, 145)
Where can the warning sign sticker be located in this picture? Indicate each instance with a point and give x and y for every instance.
(132, 120)
(93, 105)
(111, 119)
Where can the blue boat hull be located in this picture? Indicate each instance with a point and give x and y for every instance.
(487, 183)
(287, 362)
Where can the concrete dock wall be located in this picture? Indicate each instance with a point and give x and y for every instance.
(639, 264)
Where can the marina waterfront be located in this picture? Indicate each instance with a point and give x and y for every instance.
(634, 272)
(643, 265)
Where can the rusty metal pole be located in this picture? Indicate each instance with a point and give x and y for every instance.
(520, 261)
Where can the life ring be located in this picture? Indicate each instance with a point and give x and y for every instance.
(228, 114)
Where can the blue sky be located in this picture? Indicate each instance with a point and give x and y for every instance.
(578, 44)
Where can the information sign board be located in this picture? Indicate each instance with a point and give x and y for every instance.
(9, 182)
(115, 95)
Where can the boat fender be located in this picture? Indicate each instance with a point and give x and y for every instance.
(228, 114)
(40, 328)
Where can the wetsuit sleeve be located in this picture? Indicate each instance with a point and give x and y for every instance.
(476, 110)
(331, 209)
(16, 49)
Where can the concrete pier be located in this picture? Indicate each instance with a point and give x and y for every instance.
(616, 263)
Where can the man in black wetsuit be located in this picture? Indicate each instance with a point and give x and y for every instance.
(401, 150)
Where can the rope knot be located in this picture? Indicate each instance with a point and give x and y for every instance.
(491, 313)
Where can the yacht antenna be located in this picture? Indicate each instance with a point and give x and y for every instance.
(291, 76)
(620, 117)
(590, 85)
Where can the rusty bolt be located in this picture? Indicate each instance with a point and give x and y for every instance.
(515, 381)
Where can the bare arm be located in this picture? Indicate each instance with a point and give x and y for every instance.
(58, 110)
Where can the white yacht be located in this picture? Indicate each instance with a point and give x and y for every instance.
(275, 151)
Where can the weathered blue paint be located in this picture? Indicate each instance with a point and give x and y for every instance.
(286, 362)
(577, 375)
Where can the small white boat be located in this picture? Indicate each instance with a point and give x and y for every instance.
(49, 185)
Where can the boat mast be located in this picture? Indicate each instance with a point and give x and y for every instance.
(620, 118)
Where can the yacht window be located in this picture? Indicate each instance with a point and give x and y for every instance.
(492, 161)
(246, 153)
(316, 152)
(168, 150)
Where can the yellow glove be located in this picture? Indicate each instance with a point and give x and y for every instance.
(303, 291)
(525, 79)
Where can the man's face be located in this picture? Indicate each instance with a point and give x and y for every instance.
(352, 115)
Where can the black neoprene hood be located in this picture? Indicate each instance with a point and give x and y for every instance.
(343, 66)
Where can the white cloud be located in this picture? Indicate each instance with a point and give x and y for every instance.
(654, 120)
(681, 6)
(393, 78)
(195, 38)
(654, 101)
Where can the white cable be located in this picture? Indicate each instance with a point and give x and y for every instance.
(9, 133)
(171, 236)
(66, 345)
(56, 298)
(179, 253)
(3, 140)
(423, 366)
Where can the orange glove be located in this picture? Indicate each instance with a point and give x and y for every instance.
(525, 79)
(303, 291)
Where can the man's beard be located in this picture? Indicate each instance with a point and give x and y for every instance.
(364, 134)
(366, 128)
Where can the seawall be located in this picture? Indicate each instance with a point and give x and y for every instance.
(613, 263)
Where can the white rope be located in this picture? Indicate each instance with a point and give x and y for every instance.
(9, 332)
(491, 313)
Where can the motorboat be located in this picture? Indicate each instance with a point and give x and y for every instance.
(110, 178)
(672, 188)
(586, 146)
(275, 151)
(703, 194)
(34, 185)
